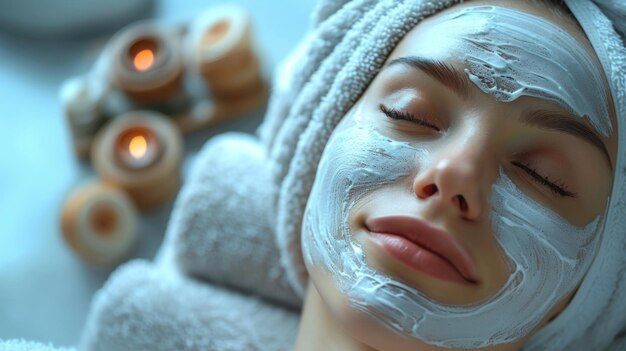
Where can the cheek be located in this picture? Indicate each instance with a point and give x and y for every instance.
(543, 247)
(360, 159)
(356, 162)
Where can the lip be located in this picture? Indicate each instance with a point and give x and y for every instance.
(423, 248)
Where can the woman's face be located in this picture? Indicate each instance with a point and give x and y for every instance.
(458, 202)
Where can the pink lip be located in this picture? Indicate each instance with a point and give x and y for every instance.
(423, 248)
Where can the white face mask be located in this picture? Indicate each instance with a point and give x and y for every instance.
(510, 54)
(547, 255)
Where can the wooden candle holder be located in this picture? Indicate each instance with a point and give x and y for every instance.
(154, 176)
(221, 49)
(146, 62)
(211, 112)
(197, 74)
(98, 222)
(151, 82)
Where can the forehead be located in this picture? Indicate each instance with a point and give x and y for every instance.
(510, 52)
(563, 21)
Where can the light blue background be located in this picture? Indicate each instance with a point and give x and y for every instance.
(45, 291)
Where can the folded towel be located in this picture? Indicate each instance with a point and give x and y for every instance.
(140, 308)
(221, 227)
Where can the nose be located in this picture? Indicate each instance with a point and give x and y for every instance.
(458, 178)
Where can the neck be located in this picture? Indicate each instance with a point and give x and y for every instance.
(320, 331)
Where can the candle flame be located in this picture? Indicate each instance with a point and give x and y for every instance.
(138, 146)
(144, 60)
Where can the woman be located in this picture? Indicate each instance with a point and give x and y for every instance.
(460, 200)
(444, 176)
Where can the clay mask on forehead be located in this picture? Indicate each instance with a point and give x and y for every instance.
(547, 255)
(510, 53)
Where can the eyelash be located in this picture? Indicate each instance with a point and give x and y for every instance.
(552, 185)
(407, 116)
(558, 189)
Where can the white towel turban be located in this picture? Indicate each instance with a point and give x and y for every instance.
(347, 46)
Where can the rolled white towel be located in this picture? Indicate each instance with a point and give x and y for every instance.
(221, 228)
(140, 308)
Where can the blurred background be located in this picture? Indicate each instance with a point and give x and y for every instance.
(45, 288)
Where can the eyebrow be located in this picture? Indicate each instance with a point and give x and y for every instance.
(460, 84)
(446, 74)
(566, 123)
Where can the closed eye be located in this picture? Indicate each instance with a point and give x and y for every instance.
(552, 185)
(407, 116)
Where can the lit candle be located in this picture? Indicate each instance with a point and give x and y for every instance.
(143, 60)
(146, 62)
(98, 222)
(137, 148)
(140, 152)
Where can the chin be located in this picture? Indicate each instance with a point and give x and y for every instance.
(358, 324)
